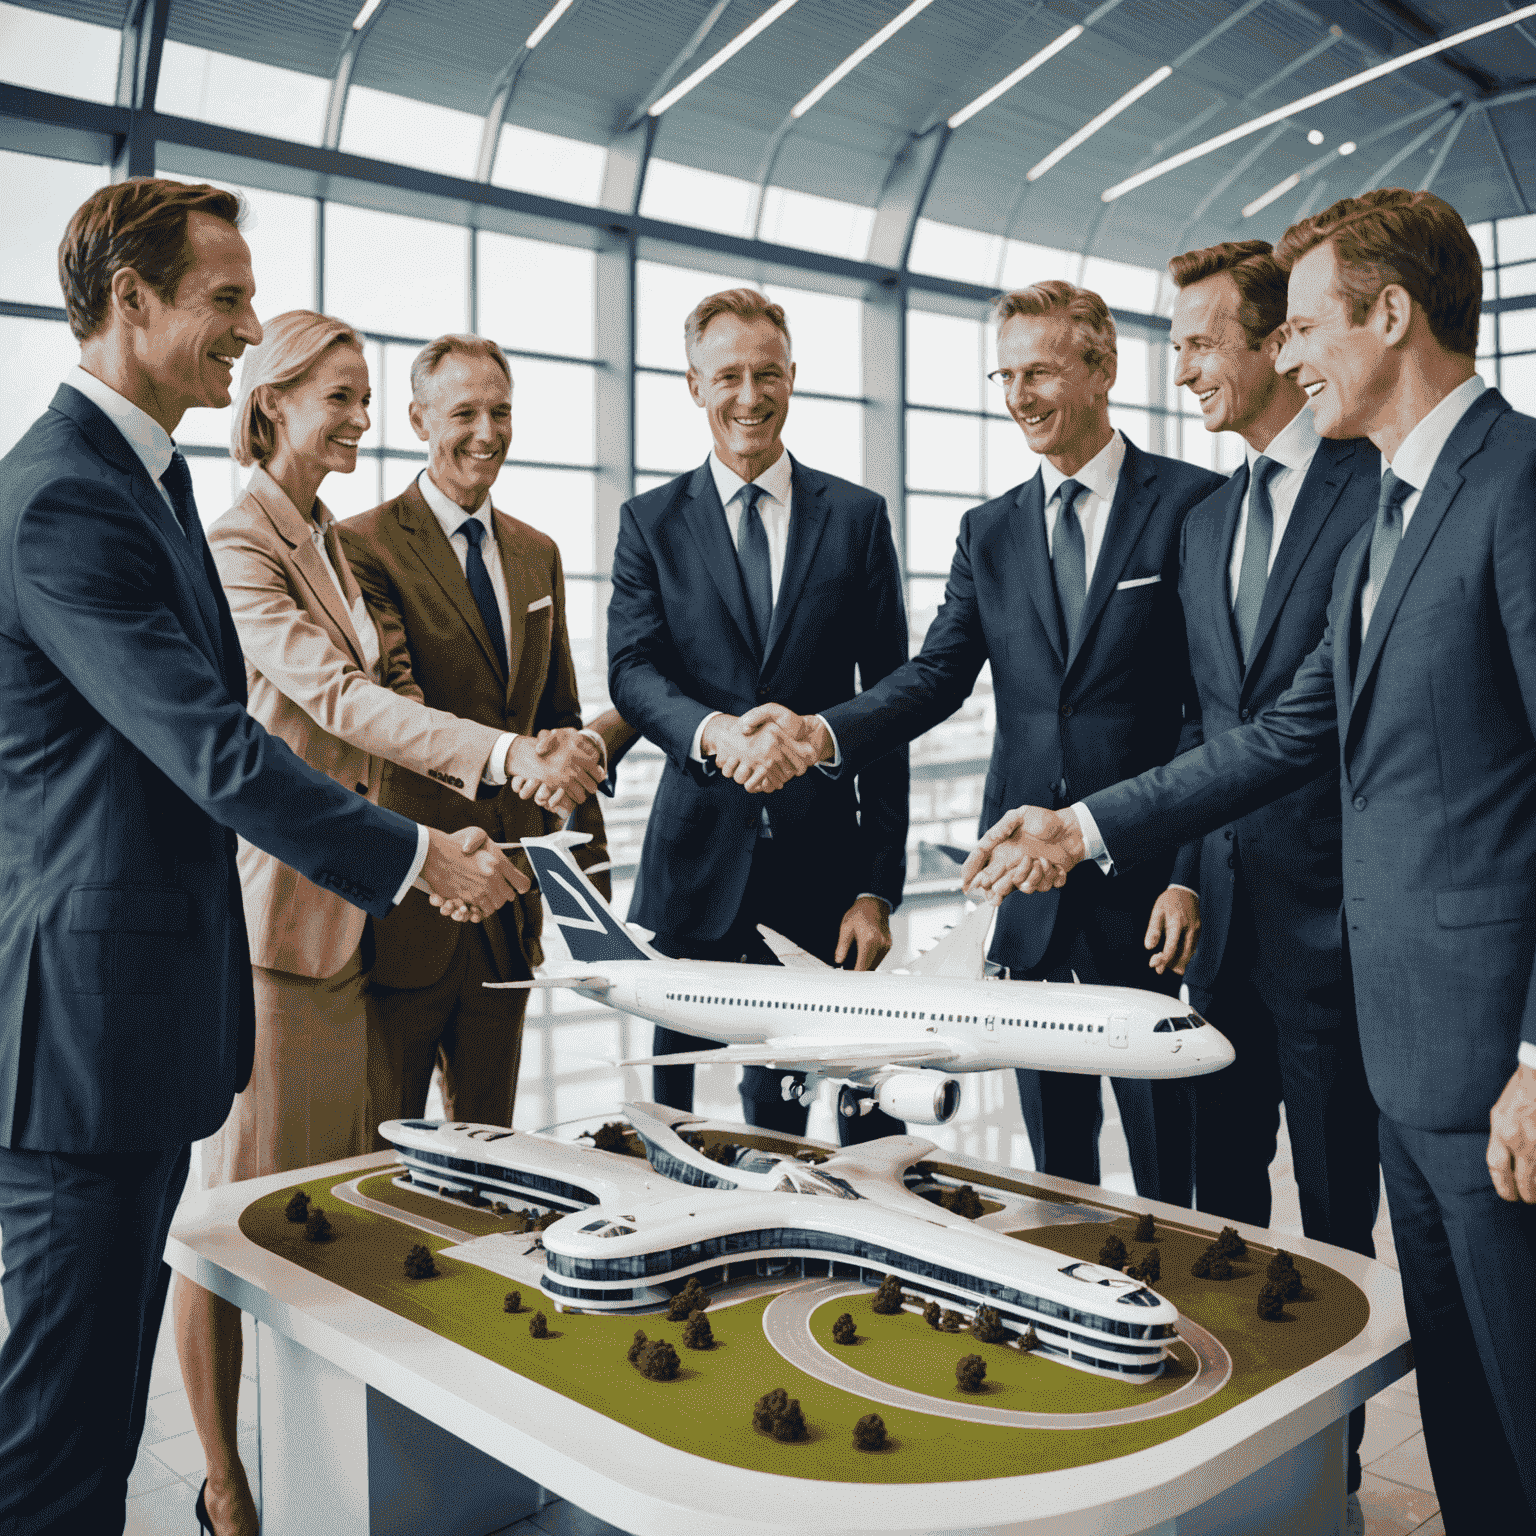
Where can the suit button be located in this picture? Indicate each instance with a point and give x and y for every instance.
(1231, 862)
(1066, 711)
(1243, 714)
(1359, 802)
(1228, 834)
(362, 789)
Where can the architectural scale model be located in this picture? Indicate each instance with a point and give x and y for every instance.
(637, 1231)
(897, 1036)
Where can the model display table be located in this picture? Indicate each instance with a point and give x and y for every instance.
(391, 1402)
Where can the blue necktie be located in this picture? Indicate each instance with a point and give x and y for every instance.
(756, 567)
(480, 587)
(1069, 560)
(1254, 572)
(1385, 537)
(177, 480)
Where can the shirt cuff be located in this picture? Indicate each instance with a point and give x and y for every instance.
(495, 770)
(423, 842)
(696, 751)
(876, 896)
(1093, 844)
(1528, 1053)
(602, 746)
(835, 766)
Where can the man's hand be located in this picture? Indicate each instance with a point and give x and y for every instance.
(866, 933)
(558, 768)
(1174, 931)
(761, 761)
(1512, 1141)
(810, 729)
(1030, 849)
(466, 877)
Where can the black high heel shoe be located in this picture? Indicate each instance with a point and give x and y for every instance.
(201, 1511)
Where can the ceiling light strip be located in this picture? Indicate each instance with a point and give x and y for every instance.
(1279, 190)
(365, 15)
(857, 57)
(1221, 140)
(1092, 126)
(1007, 83)
(541, 31)
(731, 49)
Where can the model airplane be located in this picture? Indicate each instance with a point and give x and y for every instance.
(893, 1037)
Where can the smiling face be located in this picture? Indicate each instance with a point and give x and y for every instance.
(465, 418)
(187, 348)
(1348, 371)
(1061, 403)
(322, 417)
(740, 372)
(1234, 383)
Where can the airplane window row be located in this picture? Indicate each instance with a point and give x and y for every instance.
(889, 1013)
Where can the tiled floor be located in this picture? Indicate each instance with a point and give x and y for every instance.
(1397, 1496)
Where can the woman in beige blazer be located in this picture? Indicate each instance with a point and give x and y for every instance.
(319, 678)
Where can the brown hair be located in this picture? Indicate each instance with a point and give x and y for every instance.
(290, 346)
(142, 224)
(744, 303)
(1413, 239)
(461, 344)
(1088, 313)
(1261, 282)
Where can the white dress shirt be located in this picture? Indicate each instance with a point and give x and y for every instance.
(1098, 477)
(153, 445)
(362, 621)
(1292, 448)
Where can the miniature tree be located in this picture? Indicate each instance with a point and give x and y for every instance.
(1284, 1275)
(1221, 1267)
(869, 1433)
(1152, 1266)
(987, 1326)
(963, 1201)
(767, 1409)
(722, 1152)
(1213, 1264)
(888, 1299)
(637, 1346)
(517, 1221)
(1029, 1339)
(297, 1208)
(843, 1331)
(790, 1425)
(687, 1301)
(1146, 1228)
(931, 1314)
(1271, 1304)
(950, 1322)
(1229, 1244)
(970, 1373)
(512, 1302)
(697, 1334)
(418, 1263)
(1113, 1254)
(611, 1136)
(1201, 1268)
(538, 1326)
(318, 1228)
(548, 1219)
(658, 1361)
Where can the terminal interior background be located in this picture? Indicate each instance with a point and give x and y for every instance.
(442, 165)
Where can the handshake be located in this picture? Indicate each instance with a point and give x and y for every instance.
(765, 748)
(1029, 849)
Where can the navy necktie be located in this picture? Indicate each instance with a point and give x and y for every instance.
(1254, 572)
(1069, 560)
(177, 480)
(480, 587)
(756, 566)
(1385, 537)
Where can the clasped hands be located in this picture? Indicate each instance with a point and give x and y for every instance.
(466, 876)
(1030, 849)
(557, 769)
(765, 748)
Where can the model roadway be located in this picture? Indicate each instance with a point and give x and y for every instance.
(787, 1325)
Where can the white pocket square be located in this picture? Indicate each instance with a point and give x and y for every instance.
(547, 601)
(1137, 581)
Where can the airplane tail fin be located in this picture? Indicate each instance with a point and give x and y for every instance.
(962, 951)
(587, 923)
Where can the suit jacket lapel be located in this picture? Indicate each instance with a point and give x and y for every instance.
(807, 521)
(712, 538)
(429, 544)
(1135, 498)
(1032, 559)
(519, 592)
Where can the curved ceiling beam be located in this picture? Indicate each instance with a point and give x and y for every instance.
(1447, 144)
(505, 88)
(1503, 154)
(663, 82)
(906, 189)
(1412, 147)
(138, 80)
(341, 79)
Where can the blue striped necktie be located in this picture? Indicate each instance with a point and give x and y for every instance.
(480, 587)
(177, 481)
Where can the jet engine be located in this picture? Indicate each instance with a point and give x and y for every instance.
(921, 1098)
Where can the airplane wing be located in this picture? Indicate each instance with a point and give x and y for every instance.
(962, 951)
(543, 983)
(832, 1057)
(789, 953)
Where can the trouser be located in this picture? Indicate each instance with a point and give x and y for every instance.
(1466, 1259)
(85, 1287)
(474, 1035)
(777, 896)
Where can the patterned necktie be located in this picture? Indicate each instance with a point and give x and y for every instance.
(756, 567)
(1385, 537)
(480, 587)
(177, 480)
(1254, 572)
(1069, 560)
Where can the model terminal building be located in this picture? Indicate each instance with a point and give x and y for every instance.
(636, 1231)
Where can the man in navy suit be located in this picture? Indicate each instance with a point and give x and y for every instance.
(1422, 693)
(1068, 585)
(128, 764)
(756, 577)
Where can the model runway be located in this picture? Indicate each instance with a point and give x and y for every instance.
(787, 1320)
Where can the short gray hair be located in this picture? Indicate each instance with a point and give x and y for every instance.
(461, 343)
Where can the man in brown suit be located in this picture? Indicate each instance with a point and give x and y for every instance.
(478, 598)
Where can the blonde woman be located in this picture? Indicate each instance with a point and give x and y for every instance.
(320, 678)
